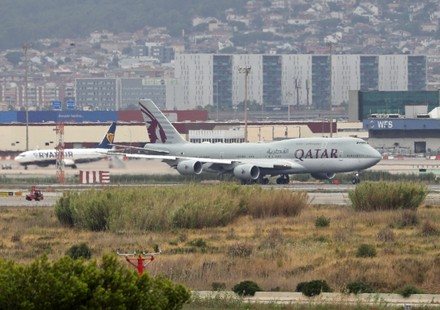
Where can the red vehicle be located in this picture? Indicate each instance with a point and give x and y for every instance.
(35, 194)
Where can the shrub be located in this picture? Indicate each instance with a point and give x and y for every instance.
(358, 288)
(79, 250)
(185, 206)
(372, 175)
(300, 286)
(313, 288)
(366, 250)
(322, 221)
(264, 203)
(218, 286)
(79, 284)
(246, 288)
(409, 290)
(199, 243)
(63, 209)
(377, 196)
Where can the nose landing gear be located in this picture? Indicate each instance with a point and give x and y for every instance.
(356, 179)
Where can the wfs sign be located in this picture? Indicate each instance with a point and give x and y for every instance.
(380, 124)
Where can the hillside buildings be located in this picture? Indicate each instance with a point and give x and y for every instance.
(315, 82)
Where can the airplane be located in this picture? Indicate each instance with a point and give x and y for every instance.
(254, 162)
(44, 158)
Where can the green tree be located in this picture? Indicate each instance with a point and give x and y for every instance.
(76, 284)
(79, 250)
(246, 288)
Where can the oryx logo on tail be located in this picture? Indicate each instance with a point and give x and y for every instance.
(154, 127)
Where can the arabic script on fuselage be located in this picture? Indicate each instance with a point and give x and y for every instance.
(277, 151)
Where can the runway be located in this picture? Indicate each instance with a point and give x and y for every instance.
(320, 193)
(154, 166)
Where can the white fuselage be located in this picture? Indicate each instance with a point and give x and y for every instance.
(70, 156)
(313, 155)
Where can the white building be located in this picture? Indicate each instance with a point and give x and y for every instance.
(281, 80)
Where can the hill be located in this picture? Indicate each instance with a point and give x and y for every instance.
(28, 20)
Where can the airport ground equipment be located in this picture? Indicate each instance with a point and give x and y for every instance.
(35, 194)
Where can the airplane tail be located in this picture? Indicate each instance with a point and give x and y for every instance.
(160, 130)
(107, 141)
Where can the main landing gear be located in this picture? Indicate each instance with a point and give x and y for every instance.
(283, 179)
(356, 179)
(262, 181)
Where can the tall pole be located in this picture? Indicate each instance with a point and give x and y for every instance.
(289, 94)
(297, 87)
(331, 86)
(216, 98)
(246, 71)
(26, 106)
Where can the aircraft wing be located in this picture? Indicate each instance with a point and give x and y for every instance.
(272, 163)
(268, 163)
(173, 157)
(143, 149)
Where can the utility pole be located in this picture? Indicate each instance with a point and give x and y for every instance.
(245, 71)
(26, 106)
(289, 94)
(308, 93)
(330, 44)
(216, 98)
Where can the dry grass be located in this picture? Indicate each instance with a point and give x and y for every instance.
(274, 252)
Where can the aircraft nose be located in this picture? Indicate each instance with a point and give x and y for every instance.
(376, 155)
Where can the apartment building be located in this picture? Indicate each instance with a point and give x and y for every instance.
(117, 93)
(314, 81)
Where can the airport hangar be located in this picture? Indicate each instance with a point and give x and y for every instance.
(399, 122)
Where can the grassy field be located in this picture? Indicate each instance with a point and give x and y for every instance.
(277, 252)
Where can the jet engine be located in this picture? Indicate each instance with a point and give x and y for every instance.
(324, 175)
(68, 162)
(247, 172)
(188, 167)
